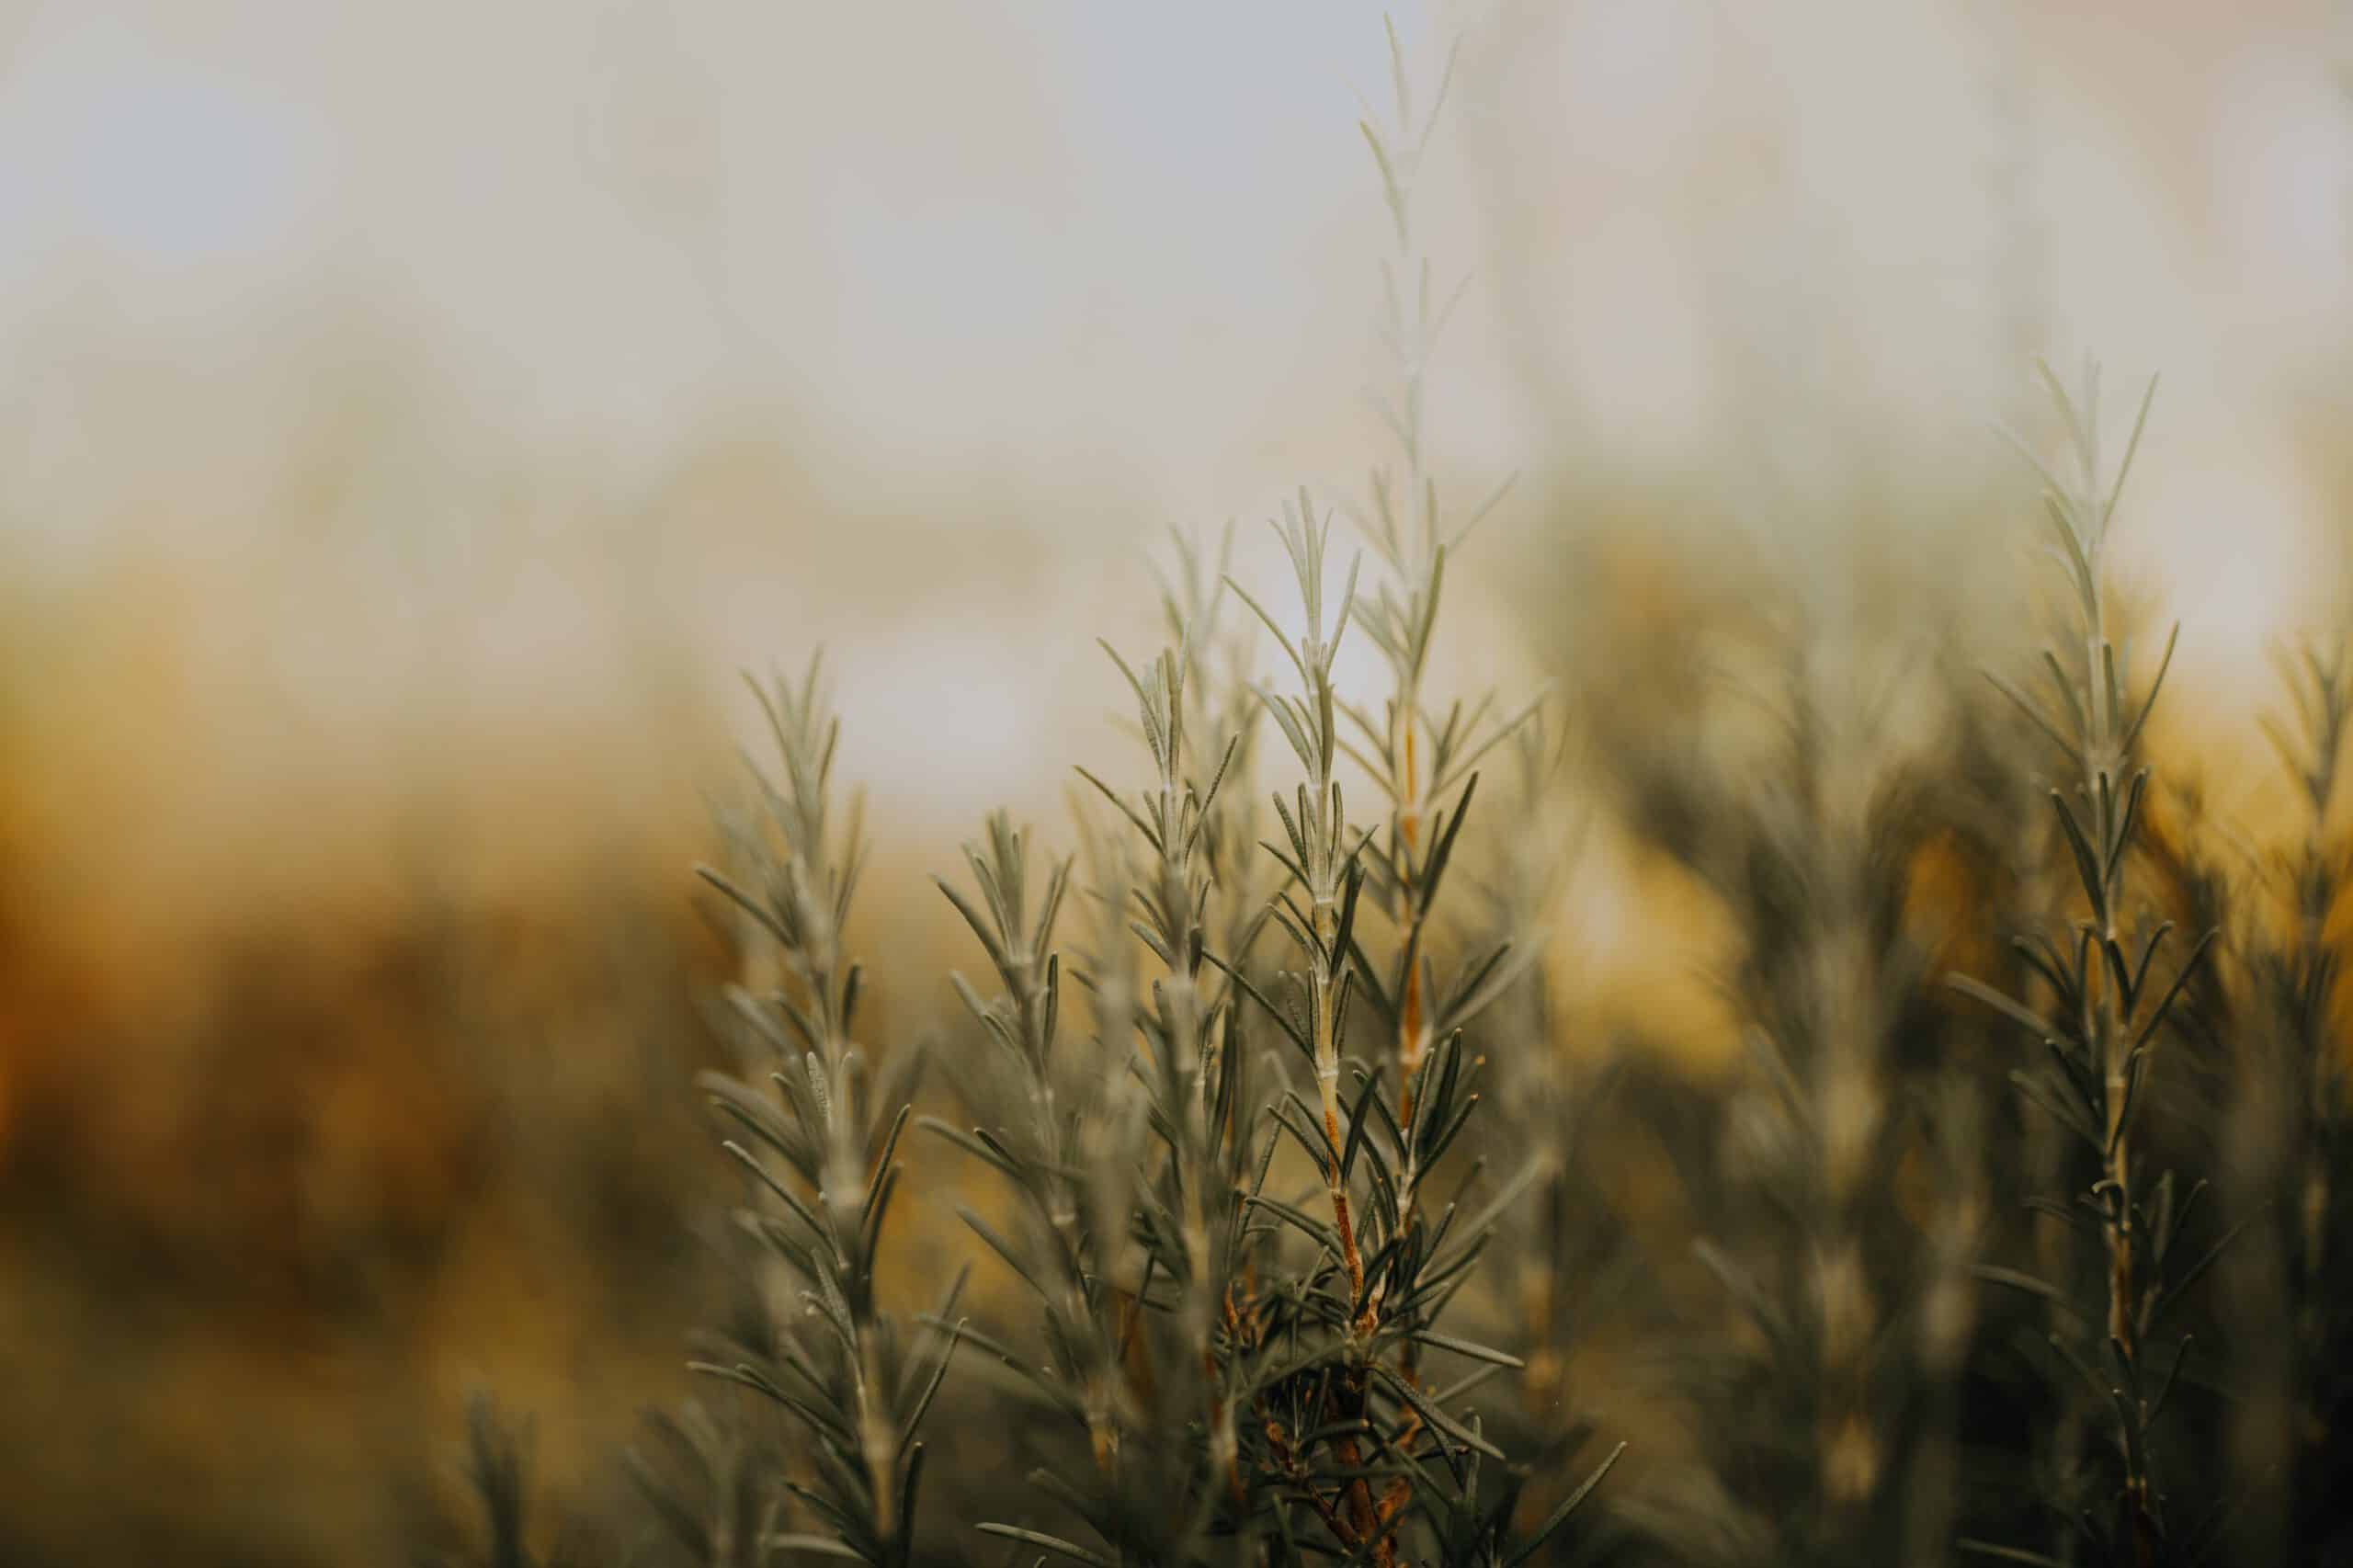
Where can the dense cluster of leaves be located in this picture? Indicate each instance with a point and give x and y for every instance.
(1249, 1366)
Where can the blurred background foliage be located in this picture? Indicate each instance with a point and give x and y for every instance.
(418, 414)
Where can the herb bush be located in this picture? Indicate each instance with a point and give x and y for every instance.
(2018, 1232)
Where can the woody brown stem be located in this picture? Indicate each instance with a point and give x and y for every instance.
(1350, 1258)
(1363, 1518)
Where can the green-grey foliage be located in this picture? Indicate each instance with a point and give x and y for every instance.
(820, 1156)
(2105, 1012)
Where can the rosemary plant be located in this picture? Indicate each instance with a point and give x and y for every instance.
(1137, 1243)
(711, 1480)
(1246, 1367)
(1387, 1270)
(1562, 1240)
(1419, 760)
(1843, 1305)
(497, 1458)
(818, 1156)
(2291, 1153)
(2106, 1017)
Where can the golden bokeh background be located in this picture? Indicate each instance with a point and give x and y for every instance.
(418, 414)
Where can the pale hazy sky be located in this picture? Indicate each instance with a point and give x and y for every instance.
(1140, 233)
(1116, 259)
